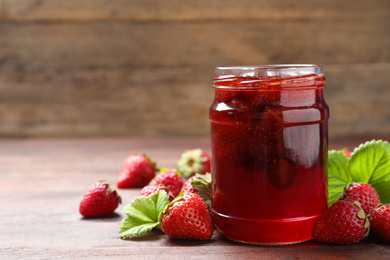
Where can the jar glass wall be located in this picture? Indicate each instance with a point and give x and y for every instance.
(269, 152)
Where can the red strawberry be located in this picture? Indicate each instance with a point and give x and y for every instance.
(170, 179)
(187, 218)
(362, 192)
(136, 172)
(188, 185)
(151, 189)
(380, 222)
(201, 185)
(343, 223)
(100, 199)
(194, 161)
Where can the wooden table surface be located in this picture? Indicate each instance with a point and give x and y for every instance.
(43, 180)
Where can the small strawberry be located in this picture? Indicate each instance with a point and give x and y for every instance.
(187, 217)
(194, 161)
(343, 223)
(151, 189)
(199, 184)
(136, 172)
(100, 199)
(346, 152)
(380, 222)
(362, 192)
(170, 178)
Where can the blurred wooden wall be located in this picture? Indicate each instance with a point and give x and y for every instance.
(144, 68)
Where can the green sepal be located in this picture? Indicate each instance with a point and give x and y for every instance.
(143, 214)
(153, 162)
(203, 187)
(191, 162)
(111, 189)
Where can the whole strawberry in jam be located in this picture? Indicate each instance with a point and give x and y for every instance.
(100, 199)
(362, 192)
(136, 172)
(187, 218)
(343, 223)
(170, 178)
(151, 189)
(194, 161)
(380, 223)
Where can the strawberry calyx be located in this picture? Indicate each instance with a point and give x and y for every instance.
(203, 187)
(111, 189)
(191, 162)
(151, 161)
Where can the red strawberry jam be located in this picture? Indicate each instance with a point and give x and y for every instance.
(269, 152)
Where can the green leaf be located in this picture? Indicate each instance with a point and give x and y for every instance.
(370, 163)
(143, 214)
(383, 189)
(338, 175)
(129, 228)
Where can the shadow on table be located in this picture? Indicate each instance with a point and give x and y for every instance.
(112, 217)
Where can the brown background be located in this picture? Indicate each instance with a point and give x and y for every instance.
(144, 68)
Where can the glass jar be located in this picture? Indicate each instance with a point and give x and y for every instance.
(269, 152)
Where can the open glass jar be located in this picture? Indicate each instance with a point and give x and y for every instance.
(269, 152)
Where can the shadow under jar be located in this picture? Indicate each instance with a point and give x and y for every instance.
(269, 152)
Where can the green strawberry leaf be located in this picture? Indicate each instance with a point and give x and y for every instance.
(338, 175)
(131, 228)
(143, 214)
(370, 163)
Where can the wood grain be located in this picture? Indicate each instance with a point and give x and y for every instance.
(43, 180)
(74, 46)
(176, 10)
(126, 103)
(144, 68)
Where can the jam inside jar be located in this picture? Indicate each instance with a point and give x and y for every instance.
(269, 152)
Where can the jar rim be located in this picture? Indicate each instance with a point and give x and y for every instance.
(285, 76)
(280, 70)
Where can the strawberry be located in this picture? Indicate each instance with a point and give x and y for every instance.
(199, 184)
(187, 217)
(151, 189)
(362, 192)
(136, 172)
(100, 199)
(194, 161)
(380, 222)
(343, 223)
(170, 178)
(347, 153)
(188, 185)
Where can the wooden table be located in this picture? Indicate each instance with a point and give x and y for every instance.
(43, 180)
